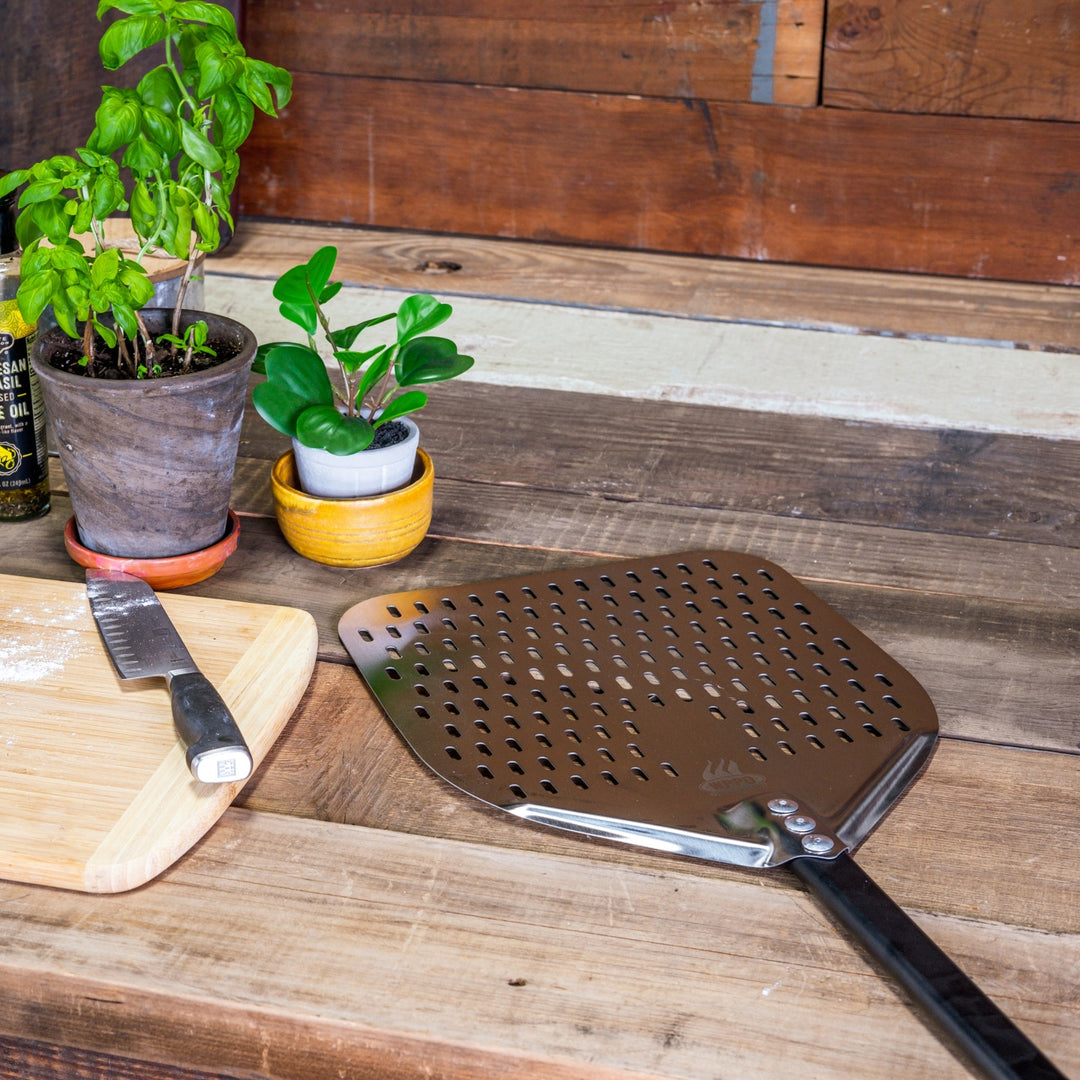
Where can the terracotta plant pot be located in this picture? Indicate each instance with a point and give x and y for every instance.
(368, 531)
(149, 463)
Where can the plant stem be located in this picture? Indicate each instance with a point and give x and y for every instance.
(88, 345)
(181, 293)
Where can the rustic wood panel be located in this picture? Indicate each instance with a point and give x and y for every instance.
(22, 1058)
(51, 78)
(920, 854)
(901, 305)
(1009, 487)
(404, 947)
(824, 186)
(1016, 58)
(736, 50)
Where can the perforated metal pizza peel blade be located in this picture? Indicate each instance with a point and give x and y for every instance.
(705, 704)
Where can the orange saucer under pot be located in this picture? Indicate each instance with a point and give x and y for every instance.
(172, 572)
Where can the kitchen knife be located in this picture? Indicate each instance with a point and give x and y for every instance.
(142, 643)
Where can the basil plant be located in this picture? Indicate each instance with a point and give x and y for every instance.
(165, 152)
(373, 384)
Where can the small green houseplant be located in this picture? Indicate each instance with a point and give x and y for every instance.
(375, 386)
(166, 153)
(145, 403)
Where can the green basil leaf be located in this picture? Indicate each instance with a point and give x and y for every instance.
(106, 196)
(255, 89)
(105, 267)
(36, 293)
(143, 158)
(272, 76)
(198, 147)
(125, 318)
(144, 211)
(84, 216)
(162, 130)
(67, 315)
(129, 7)
(13, 179)
(51, 218)
(158, 88)
(128, 37)
(207, 226)
(40, 190)
(233, 116)
(108, 334)
(214, 14)
(324, 428)
(118, 119)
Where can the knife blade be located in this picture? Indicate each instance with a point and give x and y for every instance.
(142, 642)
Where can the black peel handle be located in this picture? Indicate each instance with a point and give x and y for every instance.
(217, 753)
(992, 1045)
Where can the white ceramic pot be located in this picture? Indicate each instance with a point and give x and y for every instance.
(370, 472)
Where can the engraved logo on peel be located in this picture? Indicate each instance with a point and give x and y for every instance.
(726, 778)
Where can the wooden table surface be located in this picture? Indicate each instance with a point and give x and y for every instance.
(354, 917)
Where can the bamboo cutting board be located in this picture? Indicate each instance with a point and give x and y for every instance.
(95, 793)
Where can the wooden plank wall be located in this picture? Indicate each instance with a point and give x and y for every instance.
(890, 135)
(51, 76)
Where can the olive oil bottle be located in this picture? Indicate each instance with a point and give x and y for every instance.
(24, 463)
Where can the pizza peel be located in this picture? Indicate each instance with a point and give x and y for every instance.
(705, 704)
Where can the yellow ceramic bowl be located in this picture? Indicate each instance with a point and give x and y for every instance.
(368, 531)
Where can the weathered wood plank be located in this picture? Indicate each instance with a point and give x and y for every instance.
(340, 760)
(817, 186)
(624, 450)
(401, 947)
(21, 1058)
(901, 305)
(950, 610)
(767, 50)
(1016, 58)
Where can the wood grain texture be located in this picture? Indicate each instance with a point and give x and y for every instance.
(825, 187)
(96, 791)
(1009, 58)
(624, 450)
(321, 930)
(901, 305)
(768, 50)
(340, 760)
(50, 81)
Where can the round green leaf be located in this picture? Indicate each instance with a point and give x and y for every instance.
(428, 360)
(322, 427)
(418, 314)
(301, 371)
(405, 403)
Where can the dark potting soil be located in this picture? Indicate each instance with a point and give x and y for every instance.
(168, 360)
(389, 434)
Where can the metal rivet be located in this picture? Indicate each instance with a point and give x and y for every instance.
(783, 806)
(800, 824)
(817, 844)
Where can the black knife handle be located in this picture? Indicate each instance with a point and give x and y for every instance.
(216, 752)
(984, 1035)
